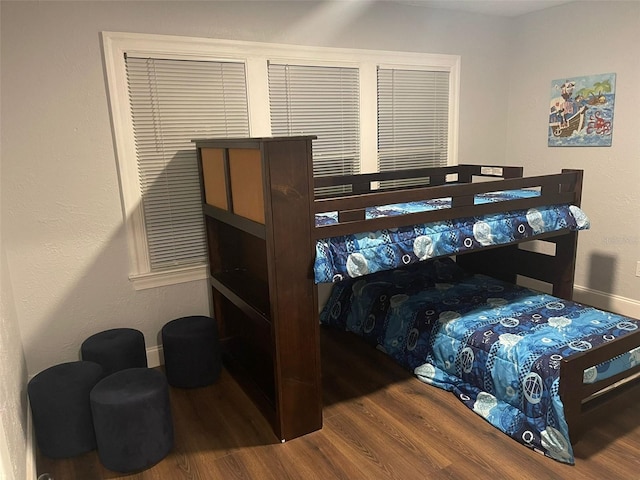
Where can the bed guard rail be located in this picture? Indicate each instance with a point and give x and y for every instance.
(562, 188)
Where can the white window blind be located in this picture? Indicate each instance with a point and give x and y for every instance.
(322, 101)
(413, 118)
(173, 102)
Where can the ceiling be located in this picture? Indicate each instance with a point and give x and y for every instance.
(503, 8)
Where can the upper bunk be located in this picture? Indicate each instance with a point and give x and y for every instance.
(443, 213)
(461, 185)
(372, 206)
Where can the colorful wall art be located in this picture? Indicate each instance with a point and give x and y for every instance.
(581, 111)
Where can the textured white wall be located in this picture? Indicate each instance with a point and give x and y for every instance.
(572, 40)
(62, 218)
(13, 379)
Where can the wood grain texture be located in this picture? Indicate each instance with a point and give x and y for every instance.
(263, 293)
(380, 422)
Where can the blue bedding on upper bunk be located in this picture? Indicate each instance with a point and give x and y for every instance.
(363, 253)
(496, 345)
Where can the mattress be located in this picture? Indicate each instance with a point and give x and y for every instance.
(495, 345)
(359, 254)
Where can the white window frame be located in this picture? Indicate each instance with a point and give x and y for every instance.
(255, 55)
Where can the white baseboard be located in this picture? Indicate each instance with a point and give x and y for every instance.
(155, 356)
(607, 301)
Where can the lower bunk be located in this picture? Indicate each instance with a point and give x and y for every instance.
(527, 362)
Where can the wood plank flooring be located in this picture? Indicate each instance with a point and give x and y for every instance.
(380, 422)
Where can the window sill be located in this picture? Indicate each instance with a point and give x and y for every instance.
(170, 277)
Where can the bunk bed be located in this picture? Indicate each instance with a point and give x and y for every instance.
(267, 227)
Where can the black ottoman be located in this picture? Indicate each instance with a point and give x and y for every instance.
(59, 398)
(132, 419)
(115, 349)
(191, 351)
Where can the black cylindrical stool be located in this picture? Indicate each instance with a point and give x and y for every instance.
(191, 351)
(59, 398)
(115, 349)
(132, 419)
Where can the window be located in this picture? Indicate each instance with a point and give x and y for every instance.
(173, 102)
(321, 101)
(413, 119)
(370, 110)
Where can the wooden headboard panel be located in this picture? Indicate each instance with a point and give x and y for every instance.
(233, 181)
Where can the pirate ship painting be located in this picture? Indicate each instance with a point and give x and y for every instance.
(581, 111)
(564, 127)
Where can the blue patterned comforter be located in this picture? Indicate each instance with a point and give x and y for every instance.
(495, 345)
(363, 253)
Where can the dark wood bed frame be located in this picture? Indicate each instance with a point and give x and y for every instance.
(259, 206)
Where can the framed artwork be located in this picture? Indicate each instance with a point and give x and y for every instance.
(581, 111)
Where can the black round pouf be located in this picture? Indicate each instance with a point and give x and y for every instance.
(115, 349)
(191, 351)
(59, 398)
(132, 419)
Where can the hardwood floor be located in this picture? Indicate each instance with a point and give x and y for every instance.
(380, 422)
